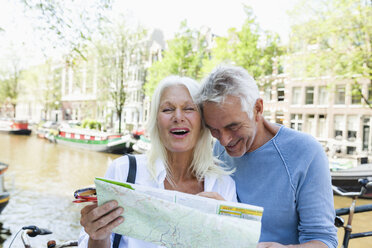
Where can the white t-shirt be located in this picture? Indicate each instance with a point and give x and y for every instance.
(118, 171)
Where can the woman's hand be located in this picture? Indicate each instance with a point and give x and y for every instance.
(213, 195)
(98, 221)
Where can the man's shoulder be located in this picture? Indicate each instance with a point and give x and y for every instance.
(290, 137)
(297, 148)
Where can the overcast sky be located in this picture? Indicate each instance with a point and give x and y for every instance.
(166, 15)
(217, 14)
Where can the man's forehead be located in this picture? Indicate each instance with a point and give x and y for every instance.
(227, 102)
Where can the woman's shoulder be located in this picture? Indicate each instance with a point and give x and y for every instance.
(119, 168)
(222, 184)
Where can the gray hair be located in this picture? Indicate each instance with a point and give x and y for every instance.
(227, 80)
(203, 161)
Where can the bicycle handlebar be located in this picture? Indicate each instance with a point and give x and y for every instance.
(365, 183)
(33, 231)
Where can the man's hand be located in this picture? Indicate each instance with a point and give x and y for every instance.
(213, 195)
(98, 221)
(310, 244)
(271, 245)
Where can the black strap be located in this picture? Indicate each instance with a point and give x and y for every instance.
(130, 179)
(117, 239)
(132, 169)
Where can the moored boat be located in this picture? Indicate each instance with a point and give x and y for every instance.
(347, 179)
(47, 129)
(142, 145)
(15, 126)
(95, 140)
(4, 195)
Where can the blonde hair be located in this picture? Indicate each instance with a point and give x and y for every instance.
(203, 161)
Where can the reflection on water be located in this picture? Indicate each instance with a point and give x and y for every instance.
(41, 179)
(43, 176)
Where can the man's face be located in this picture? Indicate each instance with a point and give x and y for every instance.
(230, 125)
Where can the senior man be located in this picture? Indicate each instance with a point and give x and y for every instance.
(283, 170)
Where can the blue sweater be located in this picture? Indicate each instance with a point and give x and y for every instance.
(289, 177)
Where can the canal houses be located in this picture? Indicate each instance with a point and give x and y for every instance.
(82, 88)
(324, 107)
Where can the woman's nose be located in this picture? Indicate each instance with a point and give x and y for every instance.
(179, 115)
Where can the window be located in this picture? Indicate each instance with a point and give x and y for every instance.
(339, 125)
(323, 95)
(351, 150)
(352, 127)
(340, 94)
(322, 126)
(309, 95)
(296, 122)
(279, 117)
(267, 115)
(296, 95)
(267, 94)
(280, 92)
(356, 96)
(310, 124)
(366, 132)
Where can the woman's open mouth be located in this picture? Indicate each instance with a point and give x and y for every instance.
(179, 132)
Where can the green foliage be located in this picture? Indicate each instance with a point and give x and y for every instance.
(44, 82)
(332, 38)
(10, 88)
(183, 57)
(91, 124)
(69, 25)
(248, 47)
(119, 50)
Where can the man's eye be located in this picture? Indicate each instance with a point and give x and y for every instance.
(190, 108)
(234, 128)
(166, 110)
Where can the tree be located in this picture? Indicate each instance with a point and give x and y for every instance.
(70, 25)
(10, 83)
(333, 38)
(121, 55)
(184, 57)
(248, 47)
(45, 81)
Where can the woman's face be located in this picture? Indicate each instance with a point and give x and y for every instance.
(179, 121)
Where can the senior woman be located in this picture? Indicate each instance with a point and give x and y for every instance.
(180, 159)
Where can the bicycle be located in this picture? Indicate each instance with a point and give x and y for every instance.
(33, 231)
(339, 222)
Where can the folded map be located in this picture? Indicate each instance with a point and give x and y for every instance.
(175, 219)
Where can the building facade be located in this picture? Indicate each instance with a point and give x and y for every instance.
(330, 109)
(82, 90)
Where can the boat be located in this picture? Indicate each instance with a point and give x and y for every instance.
(142, 145)
(4, 195)
(347, 179)
(15, 126)
(46, 129)
(94, 140)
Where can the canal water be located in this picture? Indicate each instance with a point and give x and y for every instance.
(42, 177)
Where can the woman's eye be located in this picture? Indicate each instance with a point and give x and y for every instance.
(190, 108)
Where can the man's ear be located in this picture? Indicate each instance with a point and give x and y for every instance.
(258, 109)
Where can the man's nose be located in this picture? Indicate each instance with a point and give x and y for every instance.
(225, 138)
